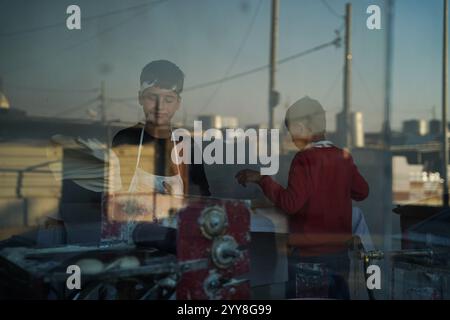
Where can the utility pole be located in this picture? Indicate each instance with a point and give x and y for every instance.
(345, 120)
(102, 103)
(444, 106)
(273, 95)
(184, 118)
(386, 206)
(107, 136)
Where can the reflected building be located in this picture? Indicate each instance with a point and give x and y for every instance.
(435, 128)
(416, 127)
(356, 130)
(218, 122)
(4, 102)
(31, 190)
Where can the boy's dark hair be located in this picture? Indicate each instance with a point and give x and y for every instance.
(308, 112)
(163, 74)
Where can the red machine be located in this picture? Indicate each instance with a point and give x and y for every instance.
(213, 230)
(219, 231)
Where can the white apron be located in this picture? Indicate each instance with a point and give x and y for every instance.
(143, 181)
(171, 187)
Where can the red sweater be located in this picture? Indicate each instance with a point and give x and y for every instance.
(318, 199)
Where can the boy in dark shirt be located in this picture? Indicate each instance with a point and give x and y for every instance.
(144, 151)
(322, 182)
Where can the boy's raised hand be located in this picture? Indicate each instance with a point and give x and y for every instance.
(246, 176)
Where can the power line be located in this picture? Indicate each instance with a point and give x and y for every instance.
(122, 99)
(235, 58)
(364, 83)
(62, 23)
(75, 108)
(330, 90)
(52, 90)
(304, 53)
(124, 21)
(331, 10)
(235, 76)
(336, 42)
(83, 41)
(128, 105)
(333, 85)
(88, 39)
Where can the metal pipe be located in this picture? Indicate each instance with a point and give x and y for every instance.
(273, 60)
(445, 150)
(347, 77)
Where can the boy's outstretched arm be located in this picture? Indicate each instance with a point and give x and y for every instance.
(360, 188)
(291, 199)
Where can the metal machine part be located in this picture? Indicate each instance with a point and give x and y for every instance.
(213, 221)
(379, 255)
(417, 257)
(112, 272)
(215, 284)
(215, 230)
(146, 282)
(212, 285)
(225, 251)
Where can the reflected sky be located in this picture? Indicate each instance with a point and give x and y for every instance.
(48, 69)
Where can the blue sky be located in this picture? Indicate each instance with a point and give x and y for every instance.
(46, 72)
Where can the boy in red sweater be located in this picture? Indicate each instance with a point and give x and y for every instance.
(322, 182)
